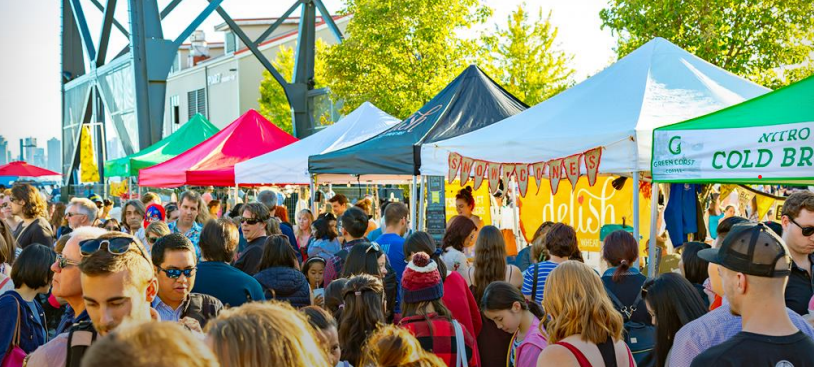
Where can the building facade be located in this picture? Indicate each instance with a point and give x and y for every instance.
(4, 151)
(226, 83)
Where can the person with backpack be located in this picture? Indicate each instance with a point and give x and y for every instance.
(429, 319)
(505, 305)
(354, 225)
(279, 273)
(672, 302)
(584, 330)
(623, 283)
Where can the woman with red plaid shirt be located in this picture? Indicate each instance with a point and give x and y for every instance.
(426, 317)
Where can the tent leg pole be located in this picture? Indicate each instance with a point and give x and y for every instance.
(636, 211)
(654, 214)
(515, 218)
(312, 187)
(421, 203)
(413, 203)
(129, 188)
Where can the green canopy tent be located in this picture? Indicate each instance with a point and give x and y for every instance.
(765, 140)
(192, 133)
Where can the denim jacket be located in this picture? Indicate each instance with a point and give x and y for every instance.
(32, 333)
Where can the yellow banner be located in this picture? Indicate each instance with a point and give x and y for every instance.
(483, 202)
(88, 170)
(587, 209)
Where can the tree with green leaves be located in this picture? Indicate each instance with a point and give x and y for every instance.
(524, 59)
(399, 54)
(273, 102)
(753, 39)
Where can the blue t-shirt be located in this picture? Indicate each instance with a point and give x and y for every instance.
(545, 268)
(393, 246)
(227, 283)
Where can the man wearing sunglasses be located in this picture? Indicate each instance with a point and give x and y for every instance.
(254, 226)
(175, 266)
(81, 212)
(798, 233)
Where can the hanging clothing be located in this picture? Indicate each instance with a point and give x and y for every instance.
(680, 214)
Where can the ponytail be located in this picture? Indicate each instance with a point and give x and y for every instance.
(502, 296)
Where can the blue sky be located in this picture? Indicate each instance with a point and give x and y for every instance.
(29, 40)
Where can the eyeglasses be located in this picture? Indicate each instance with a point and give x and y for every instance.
(63, 262)
(115, 246)
(176, 273)
(69, 214)
(807, 231)
(113, 228)
(152, 239)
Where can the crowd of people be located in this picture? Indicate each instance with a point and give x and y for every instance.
(192, 284)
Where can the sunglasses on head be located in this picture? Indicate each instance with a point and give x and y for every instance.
(373, 246)
(115, 246)
(152, 239)
(807, 231)
(176, 273)
(63, 262)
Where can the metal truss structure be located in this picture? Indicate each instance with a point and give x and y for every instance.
(131, 87)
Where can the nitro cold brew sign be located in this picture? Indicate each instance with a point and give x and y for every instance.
(752, 153)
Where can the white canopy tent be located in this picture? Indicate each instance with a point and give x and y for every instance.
(289, 165)
(616, 109)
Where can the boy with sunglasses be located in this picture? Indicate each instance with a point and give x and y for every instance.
(798, 233)
(175, 265)
(117, 283)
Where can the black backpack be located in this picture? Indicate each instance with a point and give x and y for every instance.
(639, 337)
(80, 337)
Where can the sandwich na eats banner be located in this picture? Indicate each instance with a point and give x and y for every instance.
(770, 153)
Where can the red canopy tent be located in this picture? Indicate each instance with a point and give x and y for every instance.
(212, 162)
(23, 169)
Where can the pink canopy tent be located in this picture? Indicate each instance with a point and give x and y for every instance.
(212, 162)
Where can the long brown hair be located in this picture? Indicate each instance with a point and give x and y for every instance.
(459, 229)
(8, 246)
(490, 259)
(34, 204)
(363, 313)
(538, 250)
(578, 304)
(58, 216)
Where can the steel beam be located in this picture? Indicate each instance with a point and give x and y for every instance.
(169, 8)
(303, 77)
(329, 20)
(84, 32)
(276, 24)
(104, 37)
(116, 23)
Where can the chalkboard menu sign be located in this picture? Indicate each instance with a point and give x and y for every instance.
(436, 207)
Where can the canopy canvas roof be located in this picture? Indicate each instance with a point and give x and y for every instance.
(471, 101)
(289, 165)
(23, 169)
(765, 140)
(190, 134)
(211, 163)
(616, 109)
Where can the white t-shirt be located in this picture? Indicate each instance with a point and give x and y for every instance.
(456, 260)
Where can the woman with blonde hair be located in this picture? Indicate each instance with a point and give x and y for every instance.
(153, 232)
(264, 334)
(396, 347)
(585, 330)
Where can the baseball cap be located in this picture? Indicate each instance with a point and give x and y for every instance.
(752, 249)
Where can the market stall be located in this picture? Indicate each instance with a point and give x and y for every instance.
(600, 126)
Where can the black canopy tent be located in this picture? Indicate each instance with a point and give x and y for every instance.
(471, 101)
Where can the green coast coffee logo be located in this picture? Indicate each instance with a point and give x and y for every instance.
(674, 146)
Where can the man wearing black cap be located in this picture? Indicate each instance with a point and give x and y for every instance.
(754, 266)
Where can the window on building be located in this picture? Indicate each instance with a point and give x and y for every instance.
(175, 110)
(196, 102)
(231, 42)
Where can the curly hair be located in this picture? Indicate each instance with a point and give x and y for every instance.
(465, 194)
(363, 313)
(490, 260)
(576, 300)
(34, 204)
